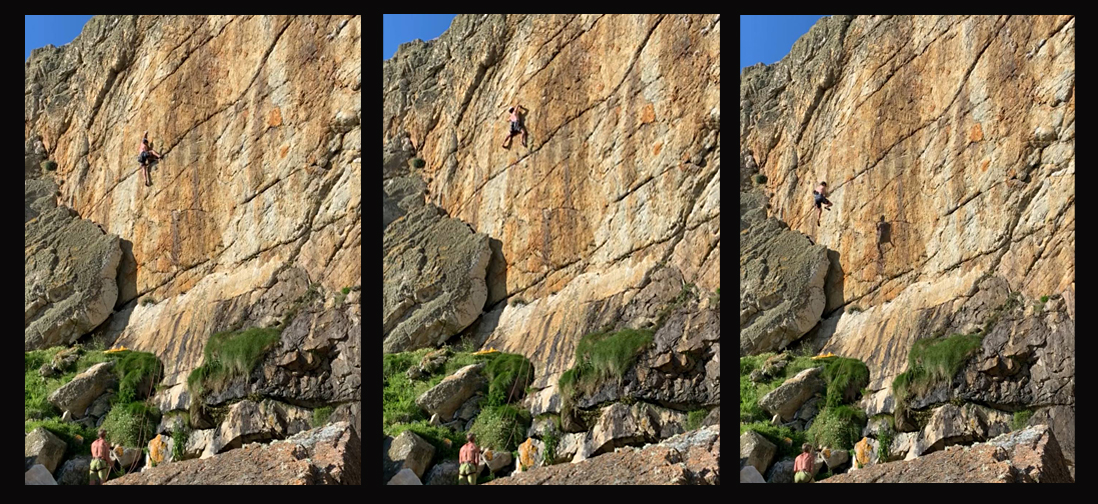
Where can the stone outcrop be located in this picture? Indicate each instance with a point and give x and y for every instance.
(954, 206)
(1031, 455)
(788, 398)
(781, 279)
(407, 451)
(328, 455)
(74, 471)
(445, 398)
(434, 269)
(69, 267)
(38, 475)
(756, 451)
(691, 458)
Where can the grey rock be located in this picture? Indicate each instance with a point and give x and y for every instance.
(789, 396)
(408, 451)
(70, 268)
(750, 475)
(405, 477)
(74, 471)
(443, 473)
(446, 397)
(756, 450)
(38, 475)
(46, 448)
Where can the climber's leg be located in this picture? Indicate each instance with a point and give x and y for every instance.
(524, 136)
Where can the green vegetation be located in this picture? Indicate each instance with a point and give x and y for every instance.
(501, 427)
(931, 362)
(229, 355)
(551, 443)
(845, 378)
(884, 439)
(760, 179)
(131, 424)
(419, 163)
(837, 427)
(346, 290)
(147, 300)
(320, 416)
(67, 431)
(694, 419)
(180, 436)
(715, 300)
(508, 375)
(854, 309)
(1044, 299)
(778, 435)
(517, 301)
(1021, 418)
(49, 165)
(602, 356)
(136, 370)
(436, 435)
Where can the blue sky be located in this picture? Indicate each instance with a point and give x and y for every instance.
(57, 30)
(400, 28)
(768, 39)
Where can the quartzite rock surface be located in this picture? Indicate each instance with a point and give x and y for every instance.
(620, 175)
(69, 270)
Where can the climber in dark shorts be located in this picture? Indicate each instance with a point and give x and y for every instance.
(145, 156)
(516, 125)
(820, 196)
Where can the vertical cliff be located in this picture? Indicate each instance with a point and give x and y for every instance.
(948, 144)
(252, 218)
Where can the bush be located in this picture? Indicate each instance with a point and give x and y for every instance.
(885, 442)
(320, 416)
(508, 375)
(854, 309)
(760, 179)
(136, 370)
(1044, 299)
(932, 361)
(1021, 418)
(179, 442)
(694, 419)
(517, 301)
(346, 290)
(501, 428)
(131, 424)
(837, 427)
(419, 163)
(844, 377)
(146, 301)
(49, 165)
(551, 443)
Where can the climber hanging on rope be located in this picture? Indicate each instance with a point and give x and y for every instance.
(146, 156)
(516, 125)
(820, 196)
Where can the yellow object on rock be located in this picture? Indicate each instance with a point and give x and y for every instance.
(119, 349)
(156, 449)
(829, 354)
(486, 351)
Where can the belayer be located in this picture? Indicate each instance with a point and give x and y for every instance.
(145, 156)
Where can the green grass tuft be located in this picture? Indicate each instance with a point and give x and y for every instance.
(229, 355)
(603, 356)
(694, 419)
(320, 416)
(931, 362)
(1044, 299)
(49, 165)
(845, 378)
(508, 375)
(419, 163)
(1021, 418)
(501, 428)
(760, 179)
(837, 427)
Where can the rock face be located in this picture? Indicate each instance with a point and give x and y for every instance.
(434, 269)
(255, 205)
(74, 471)
(781, 279)
(69, 266)
(620, 177)
(329, 455)
(453, 391)
(691, 458)
(788, 398)
(954, 200)
(1031, 455)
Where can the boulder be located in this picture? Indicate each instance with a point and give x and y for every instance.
(865, 453)
(781, 471)
(1026, 456)
(38, 475)
(74, 471)
(569, 446)
(496, 460)
(46, 448)
(543, 426)
(446, 397)
(532, 454)
(834, 457)
(160, 449)
(76, 395)
(405, 477)
(100, 406)
(70, 270)
(201, 443)
(789, 396)
(756, 450)
(619, 425)
(429, 364)
(470, 408)
(950, 424)
(781, 279)
(750, 475)
(443, 473)
(249, 421)
(435, 268)
(408, 451)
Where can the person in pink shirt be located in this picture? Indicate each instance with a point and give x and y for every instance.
(146, 155)
(469, 458)
(516, 125)
(803, 465)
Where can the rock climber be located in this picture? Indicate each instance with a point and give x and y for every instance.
(469, 458)
(802, 465)
(101, 460)
(820, 195)
(145, 156)
(516, 125)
